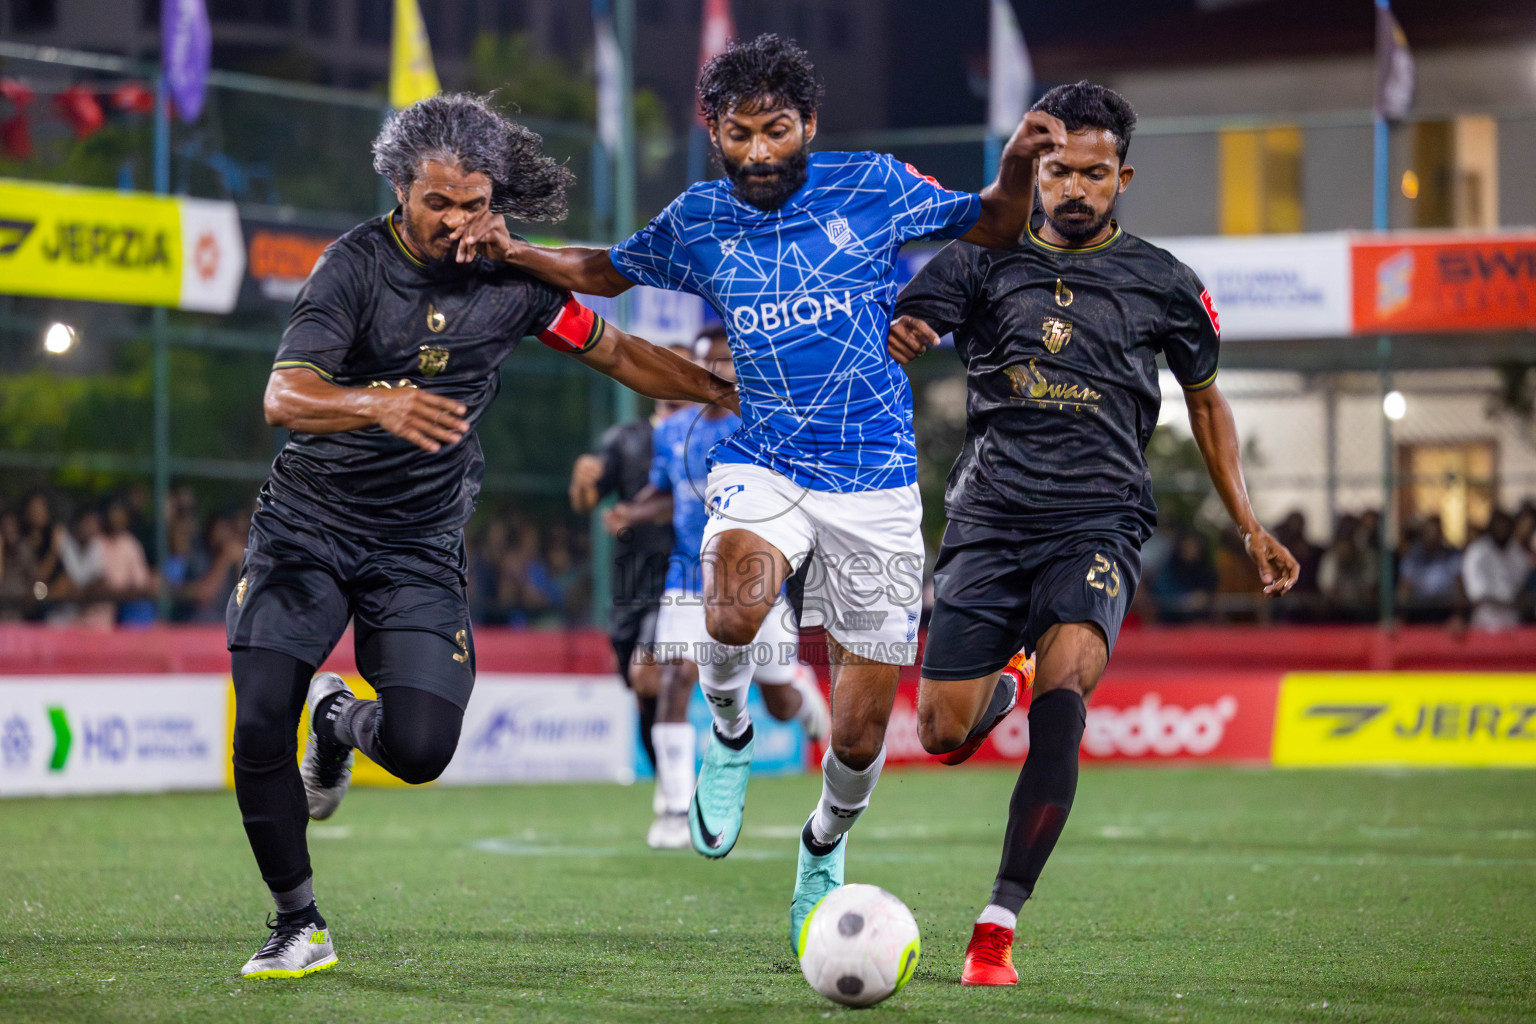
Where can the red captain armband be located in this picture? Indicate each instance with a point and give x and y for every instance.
(574, 329)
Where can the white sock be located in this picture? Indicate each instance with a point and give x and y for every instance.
(844, 795)
(994, 914)
(725, 676)
(674, 742)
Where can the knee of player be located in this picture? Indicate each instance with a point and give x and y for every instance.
(730, 625)
(857, 753)
(939, 731)
(259, 748)
(422, 770)
(1083, 683)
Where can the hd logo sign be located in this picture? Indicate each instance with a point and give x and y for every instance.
(1406, 718)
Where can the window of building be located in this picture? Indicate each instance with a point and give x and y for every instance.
(1453, 481)
(1260, 186)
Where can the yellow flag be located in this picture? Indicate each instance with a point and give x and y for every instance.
(411, 74)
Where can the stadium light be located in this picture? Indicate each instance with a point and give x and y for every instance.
(59, 339)
(1394, 405)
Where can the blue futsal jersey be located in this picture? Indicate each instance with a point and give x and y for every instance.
(680, 464)
(806, 293)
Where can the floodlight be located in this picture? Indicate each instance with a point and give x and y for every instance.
(1394, 405)
(59, 339)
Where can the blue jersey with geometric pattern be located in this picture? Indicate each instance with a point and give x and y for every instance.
(680, 465)
(806, 293)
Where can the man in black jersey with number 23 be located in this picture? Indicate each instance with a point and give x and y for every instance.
(1050, 499)
(391, 356)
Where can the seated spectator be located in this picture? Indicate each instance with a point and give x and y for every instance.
(1494, 572)
(1304, 601)
(1429, 577)
(1347, 575)
(1525, 536)
(485, 559)
(1185, 588)
(126, 578)
(76, 590)
(1239, 595)
(39, 549)
(224, 541)
(16, 570)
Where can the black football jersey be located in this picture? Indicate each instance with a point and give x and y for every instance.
(1060, 350)
(372, 315)
(640, 552)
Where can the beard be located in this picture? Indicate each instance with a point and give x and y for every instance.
(767, 186)
(435, 264)
(1076, 221)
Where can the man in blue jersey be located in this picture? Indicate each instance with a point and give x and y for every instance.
(796, 251)
(675, 494)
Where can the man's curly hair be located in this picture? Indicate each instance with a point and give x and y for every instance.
(1089, 105)
(769, 73)
(464, 129)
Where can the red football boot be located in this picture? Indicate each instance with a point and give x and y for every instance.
(989, 957)
(1021, 671)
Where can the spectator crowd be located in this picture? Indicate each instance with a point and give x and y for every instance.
(70, 560)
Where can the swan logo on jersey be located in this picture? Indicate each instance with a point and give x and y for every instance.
(802, 310)
(838, 231)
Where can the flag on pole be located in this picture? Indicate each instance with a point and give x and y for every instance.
(412, 76)
(1011, 82)
(186, 49)
(716, 33)
(1394, 67)
(609, 67)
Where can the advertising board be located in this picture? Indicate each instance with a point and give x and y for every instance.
(104, 246)
(1445, 283)
(1273, 286)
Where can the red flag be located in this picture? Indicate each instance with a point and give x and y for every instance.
(81, 109)
(15, 91)
(718, 30)
(134, 97)
(16, 137)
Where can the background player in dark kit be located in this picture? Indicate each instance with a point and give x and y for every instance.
(391, 356)
(1050, 499)
(622, 466)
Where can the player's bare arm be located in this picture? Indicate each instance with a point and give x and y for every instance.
(299, 400)
(649, 505)
(1210, 418)
(582, 491)
(909, 337)
(572, 267)
(1006, 203)
(656, 372)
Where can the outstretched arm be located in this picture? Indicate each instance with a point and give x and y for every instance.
(572, 267)
(1210, 418)
(1007, 202)
(656, 372)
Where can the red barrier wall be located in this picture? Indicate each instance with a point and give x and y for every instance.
(29, 649)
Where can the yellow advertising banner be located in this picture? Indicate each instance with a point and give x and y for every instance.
(75, 243)
(1406, 718)
(129, 247)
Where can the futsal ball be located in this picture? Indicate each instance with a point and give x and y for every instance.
(859, 945)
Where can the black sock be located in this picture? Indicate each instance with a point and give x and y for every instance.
(647, 708)
(1043, 797)
(309, 915)
(324, 723)
(808, 837)
(738, 742)
(269, 694)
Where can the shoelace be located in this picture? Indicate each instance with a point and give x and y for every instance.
(283, 932)
(996, 948)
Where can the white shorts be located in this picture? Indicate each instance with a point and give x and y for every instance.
(865, 583)
(680, 633)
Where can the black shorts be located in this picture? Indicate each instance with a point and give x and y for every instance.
(632, 626)
(301, 582)
(997, 591)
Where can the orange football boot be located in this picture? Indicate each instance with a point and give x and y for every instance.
(989, 957)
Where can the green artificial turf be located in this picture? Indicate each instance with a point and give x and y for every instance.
(1175, 895)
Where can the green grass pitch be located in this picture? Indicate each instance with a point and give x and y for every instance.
(1176, 895)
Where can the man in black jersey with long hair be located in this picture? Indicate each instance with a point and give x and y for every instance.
(391, 356)
(1050, 499)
